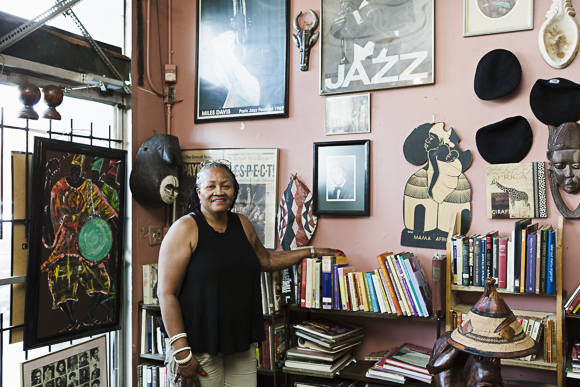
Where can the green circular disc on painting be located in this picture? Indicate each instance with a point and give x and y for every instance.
(95, 239)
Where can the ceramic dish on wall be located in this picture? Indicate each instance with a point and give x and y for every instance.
(559, 35)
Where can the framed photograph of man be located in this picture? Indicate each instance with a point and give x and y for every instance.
(342, 178)
(373, 45)
(482, 17)
(348, 114)
(241, 60)
(83, 364)
(76, 242)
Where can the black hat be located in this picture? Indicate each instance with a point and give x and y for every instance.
(498, 74)
(555, 101)
(507, 141)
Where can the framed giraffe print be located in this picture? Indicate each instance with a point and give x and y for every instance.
(516, 190)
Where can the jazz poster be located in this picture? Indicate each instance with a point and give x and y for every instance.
(376, 45)
(256, 170)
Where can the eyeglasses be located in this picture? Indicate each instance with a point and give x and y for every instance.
(207, 162)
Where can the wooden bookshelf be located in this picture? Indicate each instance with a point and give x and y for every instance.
(350, 313)
(453, 303)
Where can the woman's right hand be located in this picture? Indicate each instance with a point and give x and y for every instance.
(189, 374)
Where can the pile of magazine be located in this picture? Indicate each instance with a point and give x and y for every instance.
(324, 347)
(400, 363)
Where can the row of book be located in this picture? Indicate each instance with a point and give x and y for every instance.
(151, 375)
(523, 262)
(541, 329)
(573, 303)
(271, 352)
(152, 337)
(573, 365)
(397, 286)
(324, 347)
(271, 292)
(406, 361)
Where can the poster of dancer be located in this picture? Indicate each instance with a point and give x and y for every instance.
(241, 60)
(76, 242)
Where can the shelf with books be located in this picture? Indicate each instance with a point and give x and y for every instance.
(338, 312)
(454, 304)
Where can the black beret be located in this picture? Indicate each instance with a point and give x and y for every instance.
(555, 101)
(498, 73)
(507, 141)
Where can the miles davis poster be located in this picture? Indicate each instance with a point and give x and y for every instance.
(376, 44)
(241, 60)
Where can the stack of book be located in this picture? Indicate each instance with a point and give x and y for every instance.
(523, 262)
(324, 347)
(397, 286)
(573, 366)
(400, 363)
(573, 304)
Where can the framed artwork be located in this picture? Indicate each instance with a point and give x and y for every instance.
(241, 60)
(76, 242)
(342, 178)
(347, 114)
(482, 17)
(256, 170)
(376, 46)
(83, 364)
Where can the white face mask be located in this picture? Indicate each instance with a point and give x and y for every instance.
(168, 189)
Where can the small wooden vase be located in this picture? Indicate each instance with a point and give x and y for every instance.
(29, 96)
(53, 96)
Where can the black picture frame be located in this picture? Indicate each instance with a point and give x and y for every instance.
(349, 161)
(241, 67)
(74, 274)
(376, 46)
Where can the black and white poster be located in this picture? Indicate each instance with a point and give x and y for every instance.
(242, 56)
(376, 44)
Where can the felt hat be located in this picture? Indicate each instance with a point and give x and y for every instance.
(555, 101)
(506, 141)
(498, 73)
(491, 329)
(97, 164)
(112, 168)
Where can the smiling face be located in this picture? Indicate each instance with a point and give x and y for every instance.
(215, 189)
(566, 165)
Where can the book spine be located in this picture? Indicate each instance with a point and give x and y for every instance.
(380, 291)
(362, 291)
(371, 290)
(551, 264)
(394, 273)
(524, 241)
(538, 273)
(389, 284)
(495, 258)
(336, 288)
(266, 345)
(414, 290)
(326, 282)
(439, 271)
(544, 261)
(391, 304)
(309, 280)
(459, 260)
(298, 282)
(368, 292)
(354, 305)
(517, 241)
(510, 264)
(573, 304)
(465, 262)
(303, 283)
(476, 264)
(502, 262)
(488, 256)
(471, 256)
(406, 287)
(553, 331)
(483, 254)
(341, 282)
(317, 284)
(531, 264)
(147, 297)
(415, 286)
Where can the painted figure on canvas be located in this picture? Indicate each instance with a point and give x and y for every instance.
(437, 191)
(72, 204)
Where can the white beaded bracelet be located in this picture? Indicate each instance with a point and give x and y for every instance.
(185, 359)
(181, 350)
(177, 337)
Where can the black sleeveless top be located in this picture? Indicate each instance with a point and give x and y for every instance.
(221, 295)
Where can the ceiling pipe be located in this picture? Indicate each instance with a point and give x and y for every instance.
(148, 44)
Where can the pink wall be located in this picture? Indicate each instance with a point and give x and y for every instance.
(395, 113)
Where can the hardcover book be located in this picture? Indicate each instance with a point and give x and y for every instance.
(516, 190)
(439, 271)
(390, 286)
(331, 330)
(411, 357)
(518, 227)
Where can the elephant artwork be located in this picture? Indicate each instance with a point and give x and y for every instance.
(437, 191)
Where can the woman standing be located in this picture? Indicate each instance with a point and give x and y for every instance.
(209, 285)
